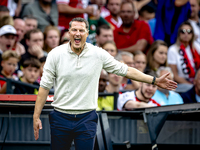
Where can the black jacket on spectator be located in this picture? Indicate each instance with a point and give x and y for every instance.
(21, 89)
(189, 96)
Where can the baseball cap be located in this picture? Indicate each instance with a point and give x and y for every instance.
(7, 29)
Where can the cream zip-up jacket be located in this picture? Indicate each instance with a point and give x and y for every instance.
(75, 77)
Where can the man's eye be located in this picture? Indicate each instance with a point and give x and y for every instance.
(82, 31)
(73, 29)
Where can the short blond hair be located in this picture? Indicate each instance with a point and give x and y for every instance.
(10, 54)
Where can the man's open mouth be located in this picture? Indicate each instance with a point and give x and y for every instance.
(77, 40)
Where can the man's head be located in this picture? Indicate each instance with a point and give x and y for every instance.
(20, 26)
(4, 11)
(104, 33)
(127, 13)
(128, 58)
(146, 13)
(9, 62)
(103, 81)
(31, 23)
(31, 70)
(7, 37)
(197, 82)
(114, 7)
(140, 60)
(147, 90)
(78, 31)
(195, 8)
(34, 37)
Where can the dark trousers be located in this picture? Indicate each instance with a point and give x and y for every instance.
(66, 127)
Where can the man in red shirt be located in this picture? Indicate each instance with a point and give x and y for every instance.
(114, 18)
(133, 34)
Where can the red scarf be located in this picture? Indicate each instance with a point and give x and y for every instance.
(196, 60)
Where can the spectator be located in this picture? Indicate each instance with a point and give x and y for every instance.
(35, 41)
(133, 34)
(7, 38)
(42, 61)
(169, 16)
(184, 56)
(8, 64)
(104, 102)
(104, 12)
(31, 23)
(157, 55)
(195, 19)
(103, 33)
(6, 20)
(146, 13)
(193, 95)
(140, 60)
(51, 38)
(163, 96)
(4, 11)
(65, 38)
(114, 18)
(44, 10)
(31, 71)
(69, 9)
(110, 47)
(139, 98)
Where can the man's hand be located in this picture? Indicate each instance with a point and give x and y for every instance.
(36, 51)
(89, 10)
(165, 83)
(37, 125)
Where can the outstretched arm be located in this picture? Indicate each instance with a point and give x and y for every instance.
(162, 81)
(40, 101)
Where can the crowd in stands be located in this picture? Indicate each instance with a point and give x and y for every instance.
(153, 36)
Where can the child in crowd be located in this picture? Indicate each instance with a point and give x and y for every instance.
(9, 64)
(31, 72)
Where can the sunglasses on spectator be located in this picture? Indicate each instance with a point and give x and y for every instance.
(183, 31)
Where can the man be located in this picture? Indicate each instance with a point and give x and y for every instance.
(133, 34)
(104, 33)
(31, 23)
(34, 41)
(194, 18)
(193, 95)
(166, 97)
(45, 11)
(114, 18)
(74, 69)
(4, 11)
(146, 13)
(139, 98)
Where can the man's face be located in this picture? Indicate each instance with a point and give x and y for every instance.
(20, 28)
(105, 35)
(194, 8)
(9, 66)
(197, 83)
(78, 35)
(7, 42)
(147, 90)
(52, 39)
(36, 39)
(102, 82)
(127, 14)
(30, 74)
(114, 6)
(30, 24)
(146, 16)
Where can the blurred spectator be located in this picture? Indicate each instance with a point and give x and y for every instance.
(133, 34)
(31, 23)
(51, 38)
(184, 56)
(169, 16)
(35, 41)
(4, 11)
(14, 6)
(42, 61)
(7, 38)
(157, 55)
(140, 60)
(146, 13)
(163, 96)
(139, 4)
(69, 9)
(139, 98)
(19, 25)
(103, 33)
(31, 71)
(45, 11)
(114, 18)
(65, 37)
(193, 95)
(195, 19)
(9, 65)
(110, 47)
(104, 12)
(6, 20)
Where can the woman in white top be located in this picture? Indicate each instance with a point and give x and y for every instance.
(183, 56)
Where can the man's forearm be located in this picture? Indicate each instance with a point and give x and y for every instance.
(40, 101)
(69, 10)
